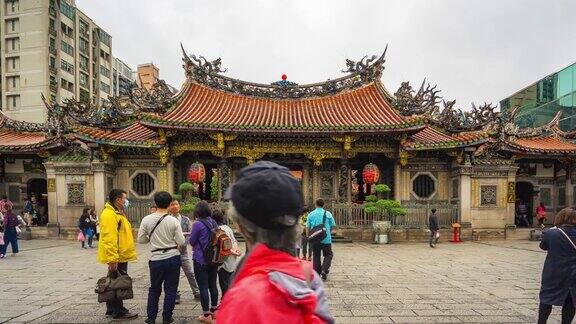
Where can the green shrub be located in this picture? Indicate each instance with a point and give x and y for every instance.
(381, 188)
(371, 198)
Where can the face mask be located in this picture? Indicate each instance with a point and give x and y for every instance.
(126, 203)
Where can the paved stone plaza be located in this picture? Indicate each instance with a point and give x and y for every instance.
(493, 282)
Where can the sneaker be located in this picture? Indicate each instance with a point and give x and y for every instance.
(2, 256)
(324, 276)
(108, 313)
(149, 321)
(177, 300)
(125, 317)
(170, 321)
(197, 296)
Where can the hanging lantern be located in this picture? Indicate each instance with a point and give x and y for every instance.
(370, 174)
(196, 173)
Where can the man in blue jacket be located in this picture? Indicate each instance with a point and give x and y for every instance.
(325, 246)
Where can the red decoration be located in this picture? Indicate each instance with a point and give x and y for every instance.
(196, 173)
(371, 173)
(284, 77)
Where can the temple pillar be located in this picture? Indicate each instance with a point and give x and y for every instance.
(166, 177)
(344, 182)
(103, 171)
(52, 226)
(223, 177)
(465, 195)
(569, 189)
(397, 182)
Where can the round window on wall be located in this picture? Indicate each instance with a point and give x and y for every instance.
(143, 184)
(423, 186)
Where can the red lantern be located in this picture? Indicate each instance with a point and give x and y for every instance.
(371, 173)
(196, 173)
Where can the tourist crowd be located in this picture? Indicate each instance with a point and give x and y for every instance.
(269, 284)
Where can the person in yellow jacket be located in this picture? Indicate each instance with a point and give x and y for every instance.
(116, 245)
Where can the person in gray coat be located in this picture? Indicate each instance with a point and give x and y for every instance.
(558, 282)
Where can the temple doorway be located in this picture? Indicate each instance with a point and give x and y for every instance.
(37, 191)
(524, 204)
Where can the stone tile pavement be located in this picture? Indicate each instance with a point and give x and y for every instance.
(495, 282)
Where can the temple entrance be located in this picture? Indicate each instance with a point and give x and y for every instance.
(37, 192)
(360, 189)
(524, 204)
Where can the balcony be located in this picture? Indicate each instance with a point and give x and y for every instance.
(53, 87)
(84, 34)
(52, 31)
(52, 50)
(52, 11)
(53, 70)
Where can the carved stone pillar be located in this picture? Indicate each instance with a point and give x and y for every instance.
(344, 182)
(465, 195)
(397, 182)
(102, 171)
(223, 177)
(52, 225)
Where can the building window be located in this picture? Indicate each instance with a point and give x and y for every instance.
(83, 80)
(424, 186)
(75, 193)
(488, 195)
(13, 44)
(104, 71)
(84, 27)
(67, 67)
(12, 6)
(546, 196)
(67, 48)
(104, 87)
(12, 25)
(84, 63)
(13, 82)
(67, 10)
(143, 184)
(12, 102)
(104, 37)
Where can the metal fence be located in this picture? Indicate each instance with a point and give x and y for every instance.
(351, 214)
(345, 214)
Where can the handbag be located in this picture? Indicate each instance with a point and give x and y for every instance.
(81, 237)
(115, 286)
(318, 232)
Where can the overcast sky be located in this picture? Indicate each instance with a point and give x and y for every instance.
(475, 51)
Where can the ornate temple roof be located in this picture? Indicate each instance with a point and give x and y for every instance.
(362, 109)
(136, 135)
(431, 138)
(24, 137)
(550, 144)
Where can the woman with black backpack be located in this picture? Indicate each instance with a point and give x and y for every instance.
(206, 273)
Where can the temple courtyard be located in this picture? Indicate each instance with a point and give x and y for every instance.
(52, 281)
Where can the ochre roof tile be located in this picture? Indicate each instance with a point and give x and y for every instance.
(135, 134)
(546, 144)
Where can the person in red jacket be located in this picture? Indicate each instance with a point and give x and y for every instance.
(271, 284)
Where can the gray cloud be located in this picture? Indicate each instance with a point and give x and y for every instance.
(474, 50)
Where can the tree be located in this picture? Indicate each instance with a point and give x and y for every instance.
(376, 203)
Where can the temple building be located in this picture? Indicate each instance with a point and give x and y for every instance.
(475, 166)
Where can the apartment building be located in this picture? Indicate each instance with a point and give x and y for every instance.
(51, 47)
(122, 78)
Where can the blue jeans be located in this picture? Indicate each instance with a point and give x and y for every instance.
(206, 277)
(165, 272)
(10, 237)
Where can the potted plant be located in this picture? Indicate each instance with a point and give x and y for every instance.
(377, 204)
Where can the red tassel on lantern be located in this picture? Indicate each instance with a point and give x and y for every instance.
(370, 174)
(196, 173)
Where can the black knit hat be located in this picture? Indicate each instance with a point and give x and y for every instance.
(267, 194)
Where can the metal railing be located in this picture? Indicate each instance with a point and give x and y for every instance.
(351, 214)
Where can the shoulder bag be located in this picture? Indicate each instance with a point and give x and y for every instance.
(318, 232)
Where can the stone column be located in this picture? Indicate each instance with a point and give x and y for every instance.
(223, 177)
(52, 203)
(568, 187)
(344, 182)
(102, 170)
(397, 182)
(465, 195)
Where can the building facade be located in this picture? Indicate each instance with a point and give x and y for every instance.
(51, 48)
(539, 102)
(147, 75)
(122, 78)
(475, 167)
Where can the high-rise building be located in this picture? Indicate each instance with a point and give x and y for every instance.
(122, 78)
(50, 47)
(539, 102)
(148, 75)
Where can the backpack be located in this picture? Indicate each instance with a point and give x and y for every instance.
(219, 245)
